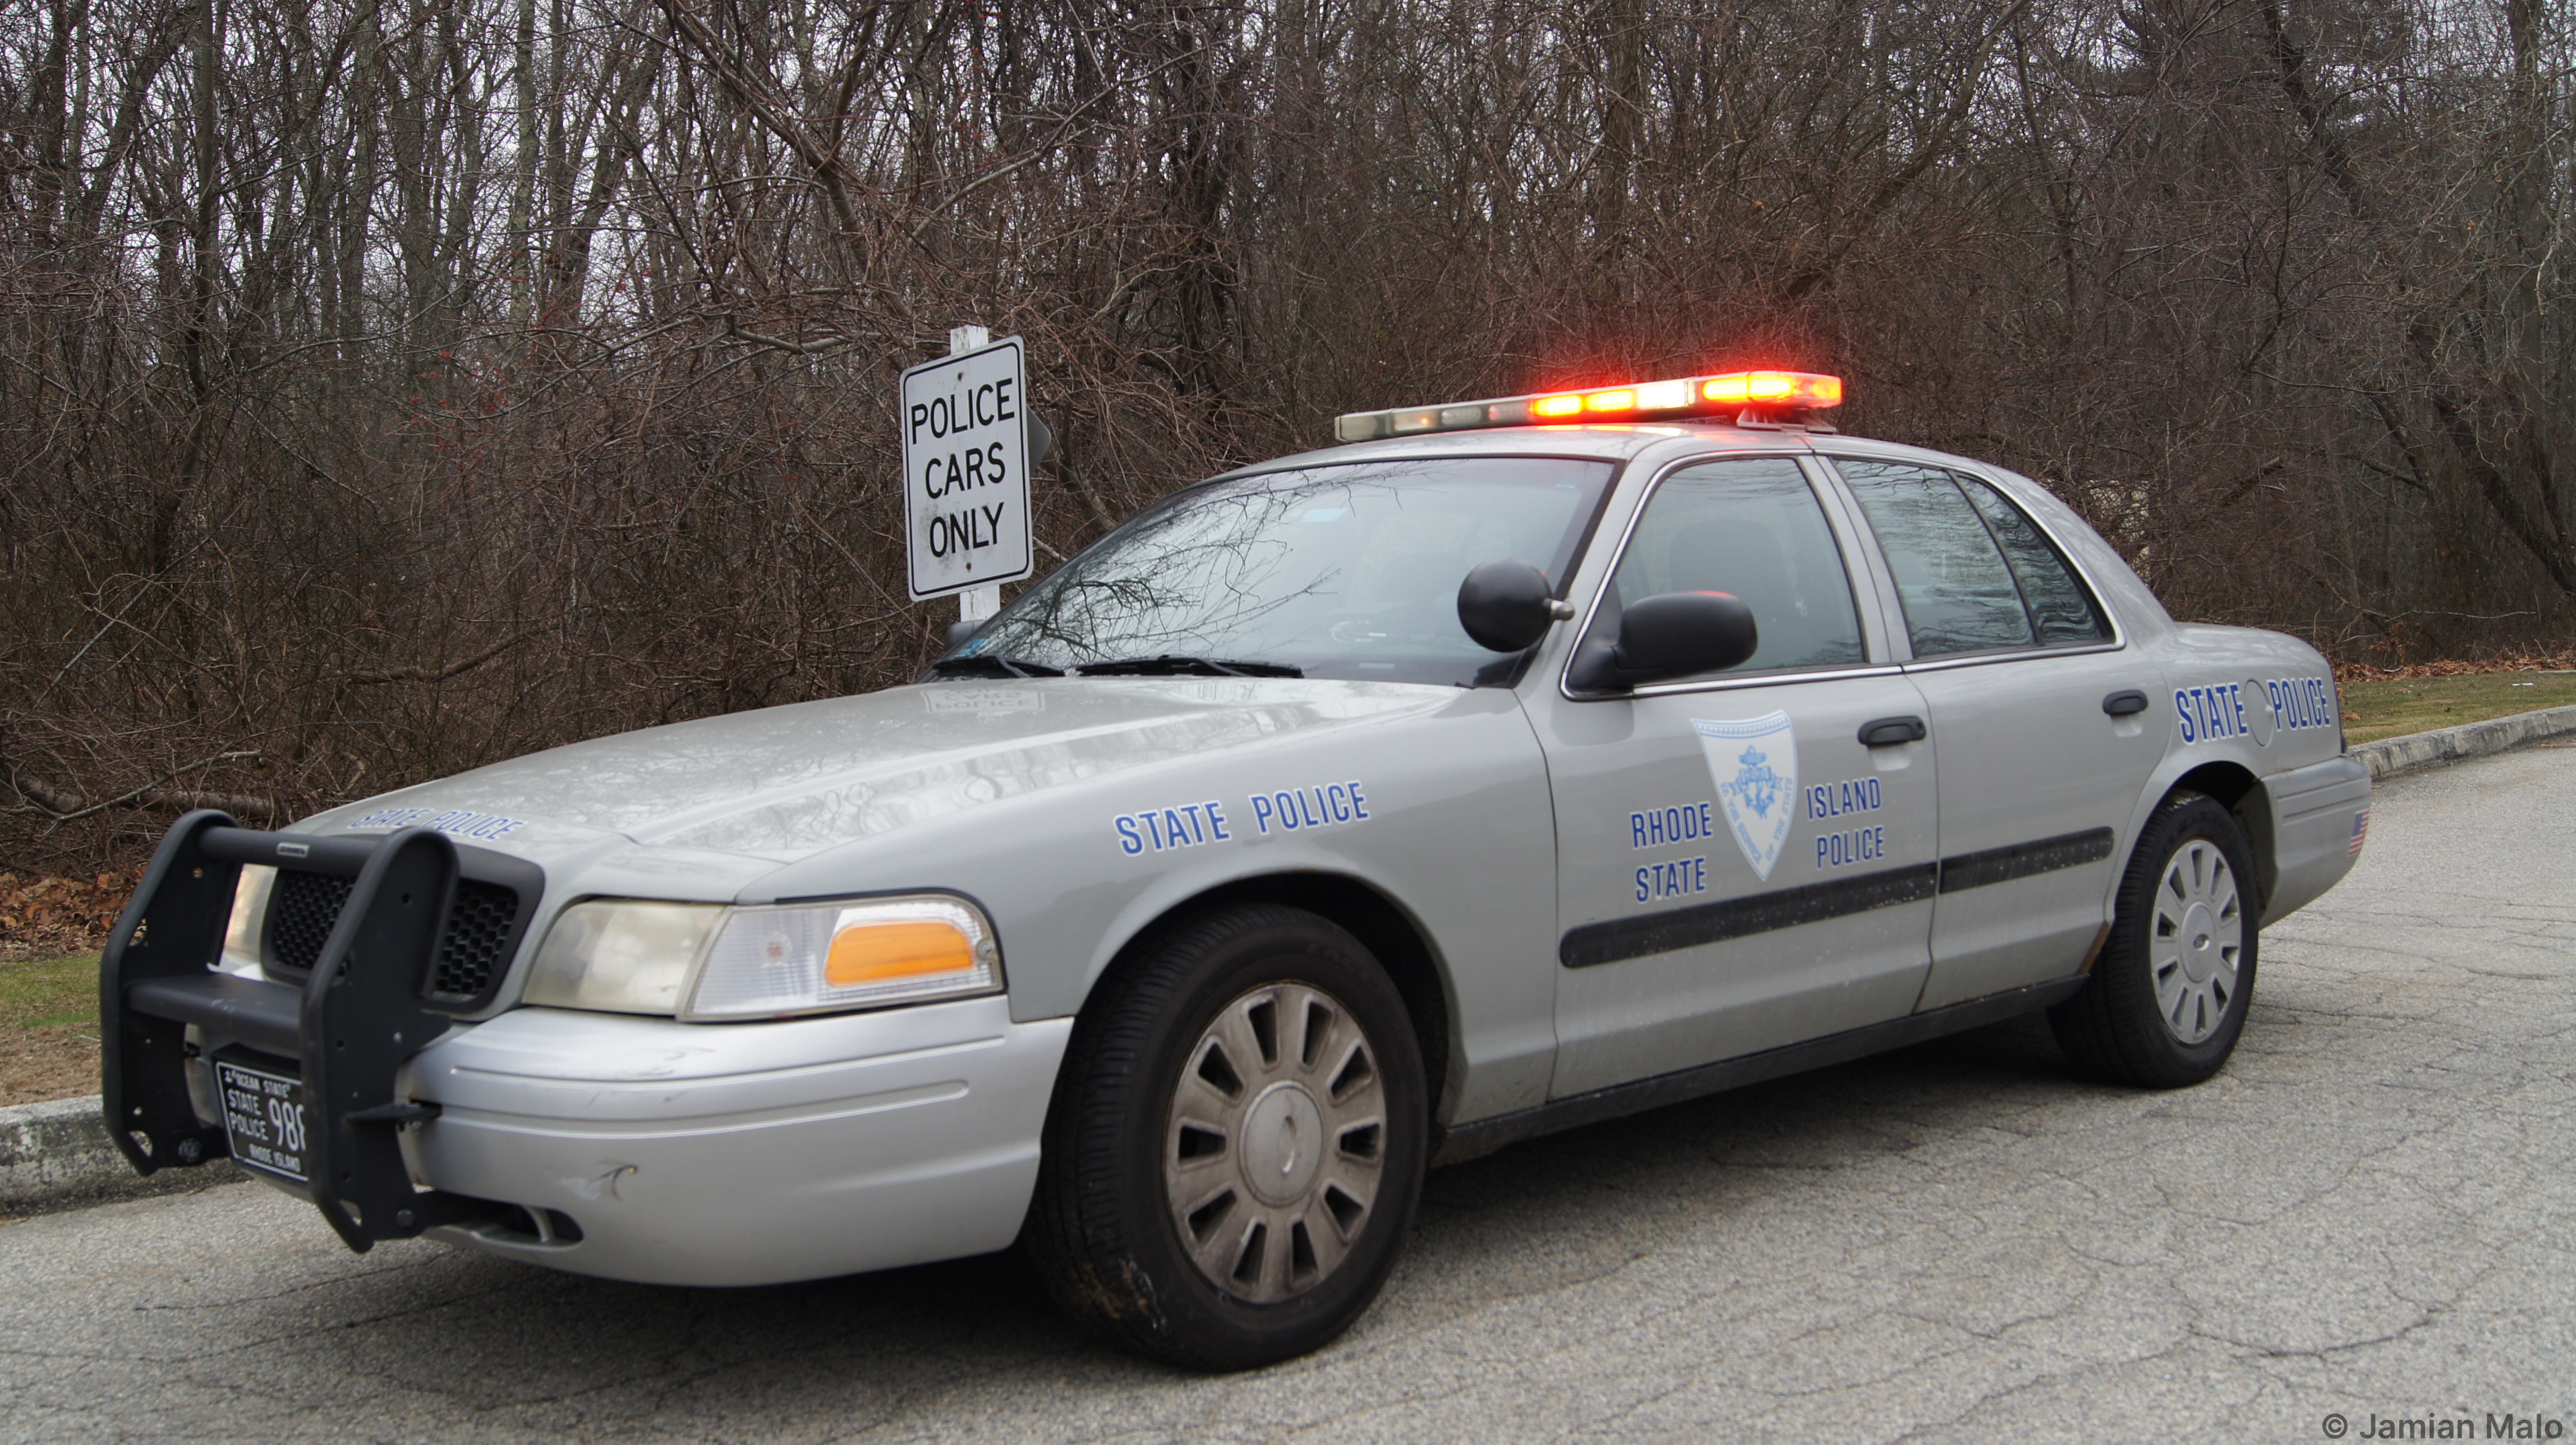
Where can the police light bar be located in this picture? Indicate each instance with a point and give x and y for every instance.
(1728, 395)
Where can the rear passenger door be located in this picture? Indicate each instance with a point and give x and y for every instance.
(2017, 662)
(1737, 870)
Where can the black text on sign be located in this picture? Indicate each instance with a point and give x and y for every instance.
(966, 467)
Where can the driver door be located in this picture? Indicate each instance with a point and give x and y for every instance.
(1737, 869)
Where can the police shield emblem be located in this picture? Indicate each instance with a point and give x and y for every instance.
(1755, 766)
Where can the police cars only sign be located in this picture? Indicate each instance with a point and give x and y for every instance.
(966, 462)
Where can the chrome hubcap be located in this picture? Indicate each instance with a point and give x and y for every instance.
(1275, 1143)
(2197, 942)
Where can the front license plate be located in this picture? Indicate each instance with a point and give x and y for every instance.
(264, 1118)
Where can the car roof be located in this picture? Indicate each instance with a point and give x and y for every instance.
(1605, 441)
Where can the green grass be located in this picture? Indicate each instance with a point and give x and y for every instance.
(49, 991)
(2391, 708)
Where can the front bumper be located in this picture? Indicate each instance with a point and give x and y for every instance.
(719, 1154)
(738, 1154)
(636, 1148)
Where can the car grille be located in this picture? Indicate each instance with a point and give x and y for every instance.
(478, 929)
(301, 918)
(478, 926)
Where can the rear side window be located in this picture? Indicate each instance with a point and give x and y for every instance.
(2060, 608)
(1972, 572)
(1958, 594)
(1754, 529)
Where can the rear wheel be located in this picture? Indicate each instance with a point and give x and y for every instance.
(1236, 1144)
(2168, 997)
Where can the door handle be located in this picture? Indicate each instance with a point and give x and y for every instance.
(1885, 732)
(2125, 702)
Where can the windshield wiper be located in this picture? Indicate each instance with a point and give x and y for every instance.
(992, 664)
(1170, 665)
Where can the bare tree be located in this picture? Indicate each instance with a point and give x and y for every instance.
(391, 385)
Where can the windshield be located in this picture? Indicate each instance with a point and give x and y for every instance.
(1345, 571)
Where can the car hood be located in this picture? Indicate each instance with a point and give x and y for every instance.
(783, 783)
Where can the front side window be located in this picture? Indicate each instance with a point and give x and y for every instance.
(1754, 529)
(1347, 571)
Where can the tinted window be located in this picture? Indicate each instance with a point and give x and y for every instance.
(1344, 571)
(1751, 528)
(2059, 606)
(1958, 594)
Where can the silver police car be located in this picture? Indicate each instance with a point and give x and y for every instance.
(1518, 764)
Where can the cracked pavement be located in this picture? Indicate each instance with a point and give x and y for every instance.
(2371, 1212)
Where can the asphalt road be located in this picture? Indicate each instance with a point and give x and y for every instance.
(2371, 1215)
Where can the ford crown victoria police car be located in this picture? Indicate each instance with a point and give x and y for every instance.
(1521, 763)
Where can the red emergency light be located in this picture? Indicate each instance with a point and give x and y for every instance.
(1735, 395)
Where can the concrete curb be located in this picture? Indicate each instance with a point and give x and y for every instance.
(2415, 752)
(48, 1148)
(58, 1156)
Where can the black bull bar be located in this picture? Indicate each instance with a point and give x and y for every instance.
(360, 1015)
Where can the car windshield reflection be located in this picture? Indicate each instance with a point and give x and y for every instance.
(1342, 572)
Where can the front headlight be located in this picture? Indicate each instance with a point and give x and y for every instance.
(620, 956)
(865, 953)
(247, 930)
(709, 963)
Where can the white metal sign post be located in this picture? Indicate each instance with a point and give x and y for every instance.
(966, 463)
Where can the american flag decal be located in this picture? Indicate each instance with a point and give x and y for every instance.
(2360, 829)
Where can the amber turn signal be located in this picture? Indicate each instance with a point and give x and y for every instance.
(881, 952)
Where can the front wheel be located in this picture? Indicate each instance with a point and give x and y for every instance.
(2169, 994)
(1236, 1144)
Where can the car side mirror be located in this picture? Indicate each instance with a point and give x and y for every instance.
(1507, 605)
(1668, 635)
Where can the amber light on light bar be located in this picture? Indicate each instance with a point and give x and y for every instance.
(1737, 395)
(1794, 388)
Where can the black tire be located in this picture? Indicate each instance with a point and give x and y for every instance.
(2120, 1028)
(1105, 1229)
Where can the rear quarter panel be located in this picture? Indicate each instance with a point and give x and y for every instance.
(2263, 703)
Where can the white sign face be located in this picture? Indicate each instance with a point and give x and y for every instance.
(966, 470)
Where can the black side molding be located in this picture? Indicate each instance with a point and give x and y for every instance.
(1618, 939)
(2024, 860)
(1615, 940)
(2124, 702)
(1883, 732)
(1484, 1136)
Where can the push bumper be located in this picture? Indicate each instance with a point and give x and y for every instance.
(313, 1077)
